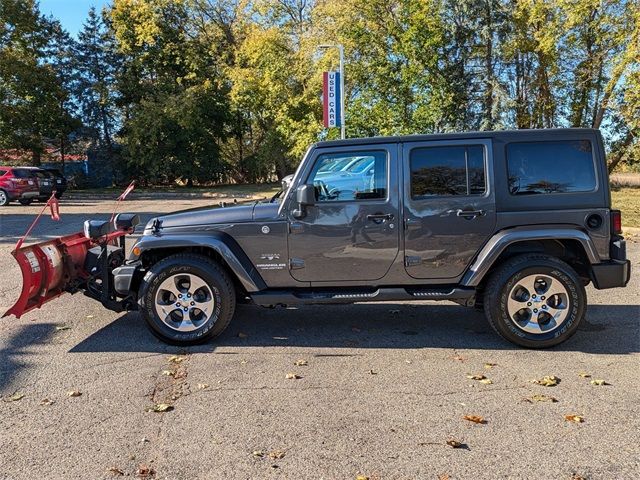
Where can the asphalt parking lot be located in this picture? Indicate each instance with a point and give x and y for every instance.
(385, 386)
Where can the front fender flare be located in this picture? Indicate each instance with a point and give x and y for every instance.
(222, 244)
(501, 240)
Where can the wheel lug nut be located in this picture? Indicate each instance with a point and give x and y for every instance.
(193, 303)
(179, 295)
(535, 310)
(533, 296)
(542, 298)
(528, 304)
(186, 309)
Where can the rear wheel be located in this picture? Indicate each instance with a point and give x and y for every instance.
(535, 300)
(26, 201)
(4, 198)
(187, 299)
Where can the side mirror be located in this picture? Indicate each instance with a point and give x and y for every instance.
(305, 197)
(286, 182)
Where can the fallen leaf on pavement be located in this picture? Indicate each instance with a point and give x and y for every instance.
(90, 316)
(475, 419)
(160, 407)
(258, 453)
(543, 398)
(372, 372)
(301, 363)
(63, 327)
(584, 375)
(145, 471)
(15, 397)
(548, 381)
(74, 393)
(116, 471)
(574, 418)
(598, 381)
(242, 335)
(292, 376)
(394, 312)
(362, 477)
(177, 358)
(486, 381)
(452, 442)
(444, 476)
(203, 386)
(476, 377)
(168, 373)
(277, 454)
(459, 358)
(490, 365)
(46, 401)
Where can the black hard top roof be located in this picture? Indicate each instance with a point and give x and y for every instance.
(505, 134)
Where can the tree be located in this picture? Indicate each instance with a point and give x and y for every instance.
(33, 99)
(171, 92)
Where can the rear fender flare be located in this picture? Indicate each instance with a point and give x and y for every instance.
(222, 244)
(501, 240)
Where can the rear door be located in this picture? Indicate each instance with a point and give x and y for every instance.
(449, 205)
(351, 233)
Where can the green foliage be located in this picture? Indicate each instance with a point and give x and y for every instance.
(33, 78)
(229, 90)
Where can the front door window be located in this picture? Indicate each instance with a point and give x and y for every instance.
(350, 176)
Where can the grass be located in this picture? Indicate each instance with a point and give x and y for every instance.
(628, 201)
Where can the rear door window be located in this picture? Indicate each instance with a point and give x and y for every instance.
(3, 173)
(450, 170)
(551, 167)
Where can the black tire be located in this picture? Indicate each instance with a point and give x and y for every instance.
(4, 198)
(506, 277)
(26, 201)
(214, 276)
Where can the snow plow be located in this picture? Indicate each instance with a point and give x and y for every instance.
(83, 261)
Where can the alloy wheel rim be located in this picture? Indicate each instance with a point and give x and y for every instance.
(3, 197)
(184, 302)
(538, 304)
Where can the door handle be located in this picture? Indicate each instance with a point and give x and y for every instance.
(380, 217)
(469, 214)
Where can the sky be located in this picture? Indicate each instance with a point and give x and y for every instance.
(70, 13)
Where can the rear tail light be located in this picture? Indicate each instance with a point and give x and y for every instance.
(616, 222)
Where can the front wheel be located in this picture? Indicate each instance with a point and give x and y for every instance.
(535, 300)
(187, 299)
(4, 198)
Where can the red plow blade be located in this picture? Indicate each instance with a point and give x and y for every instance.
(49, 269)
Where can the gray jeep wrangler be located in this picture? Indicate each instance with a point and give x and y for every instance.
(514, 222)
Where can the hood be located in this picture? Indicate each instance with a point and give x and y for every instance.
(217, 215)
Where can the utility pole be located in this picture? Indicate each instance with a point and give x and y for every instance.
(342, 95)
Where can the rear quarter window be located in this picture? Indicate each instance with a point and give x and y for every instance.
(565, 166)
(23, 173)
(3, 173)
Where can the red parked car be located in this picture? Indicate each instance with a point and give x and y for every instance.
(18, 183)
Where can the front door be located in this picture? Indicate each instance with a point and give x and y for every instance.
(449, 205)
(351, 233)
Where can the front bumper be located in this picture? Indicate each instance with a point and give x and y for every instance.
(123, 278)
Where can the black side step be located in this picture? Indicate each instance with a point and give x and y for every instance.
(269, 298)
